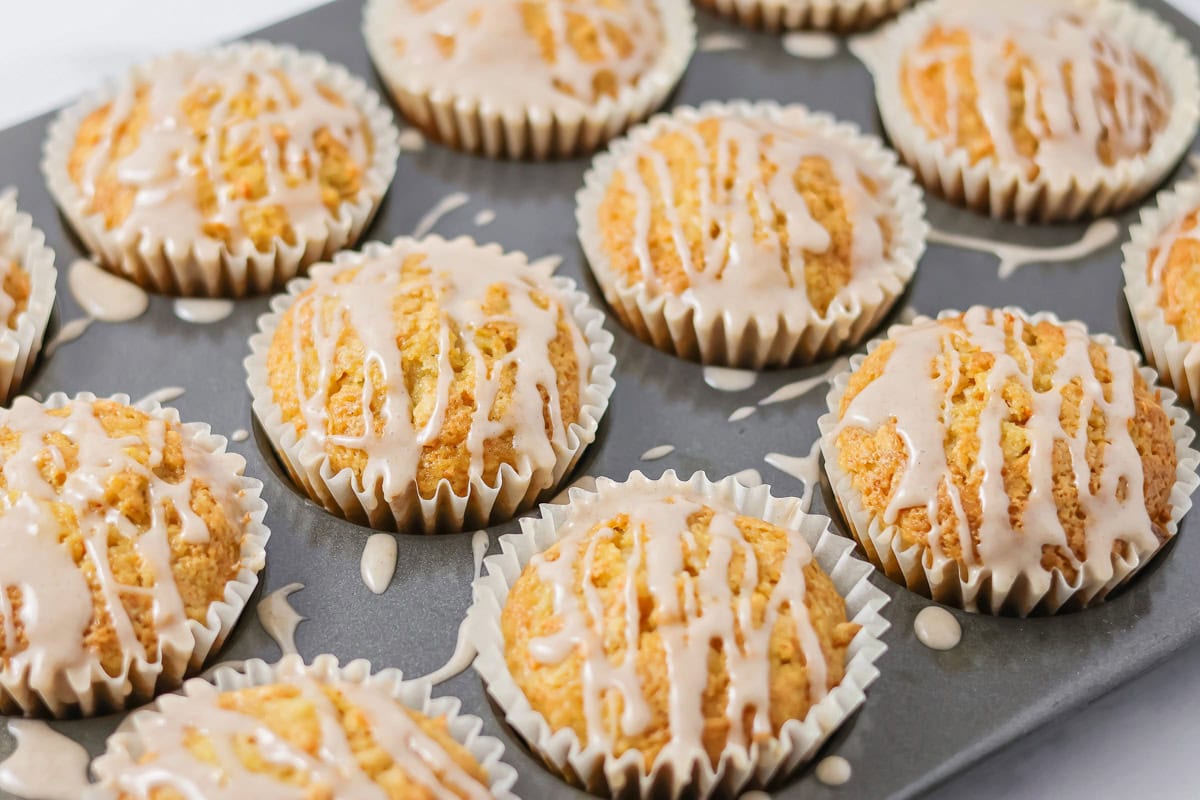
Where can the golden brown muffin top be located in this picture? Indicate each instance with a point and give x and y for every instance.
(121, 527)
(1173, 275)
(435, 361)
(1038, 84)
(298, 739)
(659, 621)
(521, 53)
(14, 292)
(747, 213)
(210, 146)
(1009, 445)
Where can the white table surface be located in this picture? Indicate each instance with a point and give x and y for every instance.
(1139, 741)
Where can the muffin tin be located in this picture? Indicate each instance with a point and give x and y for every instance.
(929, 715)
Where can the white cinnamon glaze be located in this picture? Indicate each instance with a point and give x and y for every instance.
(725, 379)
(167, 166)
(1063, 108)
(1115, 510)
(104, 296)
(744, 263)
(720, 42)
(240, 435)
(411, 140)
(202, 310)
(1100, 234)
(464, 648)
(833, 771)
(174, 767)
(279, 619)
(378, 563)
(56, 598)
(46, 765)
(806, 469)
(585, 483)
(162, 396)
(483, 50)
(691, 615)
(485, 217)
(459, 276)
(800, 388)
(813, 45)
(451, 202)
(937, 628)
(69, 332)
(657, 452)
(748, 477)
(741, 413)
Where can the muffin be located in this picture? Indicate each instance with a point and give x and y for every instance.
(774, 15)
(1025, 468)
(652, 698)
(1162, 284)
(135, 542)
(750, 235)
(303, 731)
(27, 277)
(587, 68)
(1036, 109)
(429, 385)
(223, 172)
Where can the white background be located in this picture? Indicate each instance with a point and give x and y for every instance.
(1141, 741)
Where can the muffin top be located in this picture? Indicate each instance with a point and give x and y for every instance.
(300, 738)
(1173, 275)
(746, 213)
(15, 288)
(522, 53)
(661, 623)
(433, 361)
(121, 527)
(1010, 445)
(1038, 84)
(219, 147)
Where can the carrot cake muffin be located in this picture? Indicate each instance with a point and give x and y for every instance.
(306, 732)
(678, 642)
(425, 383)
(1025, 466)
(750, 235)
(1162, 283)
(1042, 109)
(223, 172)
(774, 15)
(132, 544)
(521, 78)
(27, 278)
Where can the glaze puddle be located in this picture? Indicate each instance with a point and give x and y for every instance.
(240, 435)
(719, 42)
(937, 628)
(802, 387)
(449, 203)
(202, 310)
(1099, 234)
(810, 44)
(740, 414)
(102, 295)
(485, 217)
(724, 379)
(806, 469)
(46, 765)
(163, 395)
(464, 652)
(833, 771)
(378, 563)
(279, 619)
(411, 140)
(655, 453)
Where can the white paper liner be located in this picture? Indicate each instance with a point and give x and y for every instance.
(204, 266)
(1177, 360)
(592, 767)
(87, 689)
(970, 587)
(515, 490)
(24, 245)
(741, 337)
(126, 745)
(776, 15)
(1002, 189)
(539, 132)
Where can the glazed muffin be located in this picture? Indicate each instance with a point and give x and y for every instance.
(1162, 284)
(134, 545)
(587, 68)
(27, 278)
(425, 383)
(351, 734)
(675, 641)
(1046, 110)
(774, 15)
(223, 172)
(750, 235)
(1029, 466)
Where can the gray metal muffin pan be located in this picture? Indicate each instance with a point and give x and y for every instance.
(928, 716)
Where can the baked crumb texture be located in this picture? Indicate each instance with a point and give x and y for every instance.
(776, 15)
(1041, 86)
(1025, 462)
(122, 532)
(300, 738)
(15, 288)
(428, 370)
(674, 628)
(1173, 274)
